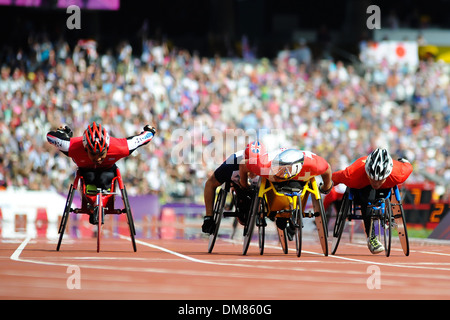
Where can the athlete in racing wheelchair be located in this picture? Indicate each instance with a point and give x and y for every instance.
(227, 175)
(96, 153)
(287, 180)
(370, 180)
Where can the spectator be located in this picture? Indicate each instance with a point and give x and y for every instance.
(302, 54)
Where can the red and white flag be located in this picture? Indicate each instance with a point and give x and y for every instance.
(399, 53)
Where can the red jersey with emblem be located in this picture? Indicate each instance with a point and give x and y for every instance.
(118, 148)
(313, 165)
(355, 176)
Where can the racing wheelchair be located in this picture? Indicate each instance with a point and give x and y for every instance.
(285, 203)
(97, 204)
(386, 212)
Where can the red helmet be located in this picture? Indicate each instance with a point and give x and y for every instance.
(95, 138)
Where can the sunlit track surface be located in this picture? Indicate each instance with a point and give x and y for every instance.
(182, 269)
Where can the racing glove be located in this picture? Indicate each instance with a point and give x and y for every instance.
(149, 128)
(65, 131)
(209, 225)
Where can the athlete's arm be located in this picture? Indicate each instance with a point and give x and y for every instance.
(141, 139)
(354, 176)
(209, 194)
(340, 177)
(327, 181)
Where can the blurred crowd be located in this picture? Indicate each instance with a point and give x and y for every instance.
(206, 108)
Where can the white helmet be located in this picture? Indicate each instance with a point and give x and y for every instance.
(287, 164)
(379, 164)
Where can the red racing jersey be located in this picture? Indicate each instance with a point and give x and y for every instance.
(118, 148)
(313, 165)
(355, 176)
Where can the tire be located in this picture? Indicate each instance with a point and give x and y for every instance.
(341, 218)
(217, 215)
(130, 219)
(387, 223)
(261, 238)
(321, 224)
(251, 220)
(282, 236)
(100, 211)
(250, 224)
(262, 213)
(297, 221)
(400, 222)
(65, 216)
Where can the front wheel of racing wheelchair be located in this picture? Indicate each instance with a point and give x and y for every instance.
(218, 209)
(250, 222)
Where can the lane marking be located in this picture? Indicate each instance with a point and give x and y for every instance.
(436, 253)
(16, 257)
(303, 251)
(301, 274)
(16, 254)
(353, 259)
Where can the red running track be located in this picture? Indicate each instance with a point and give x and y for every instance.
(181, 269)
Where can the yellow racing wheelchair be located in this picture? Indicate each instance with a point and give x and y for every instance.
(285, 203)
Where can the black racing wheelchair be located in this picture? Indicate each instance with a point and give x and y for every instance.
(386, 213)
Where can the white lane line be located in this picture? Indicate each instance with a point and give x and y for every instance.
(299, 261)
(371, 262)
(302, 274)
(16, 254)
(436, 253)
(16, 257)
(234, 274)
(168, 251)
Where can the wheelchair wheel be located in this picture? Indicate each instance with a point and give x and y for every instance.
(130, 220)
(261, 238)
(282, 236)
(400, 222)
(261, 223)
(321, 224)
(339, 225)
(297, 223)
(65, 216)
(99, 211)
(217, 216)
(387, 223)
(250, 224)
(234, 226)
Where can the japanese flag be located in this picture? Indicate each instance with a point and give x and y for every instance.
(402, 53)
(393, 52)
